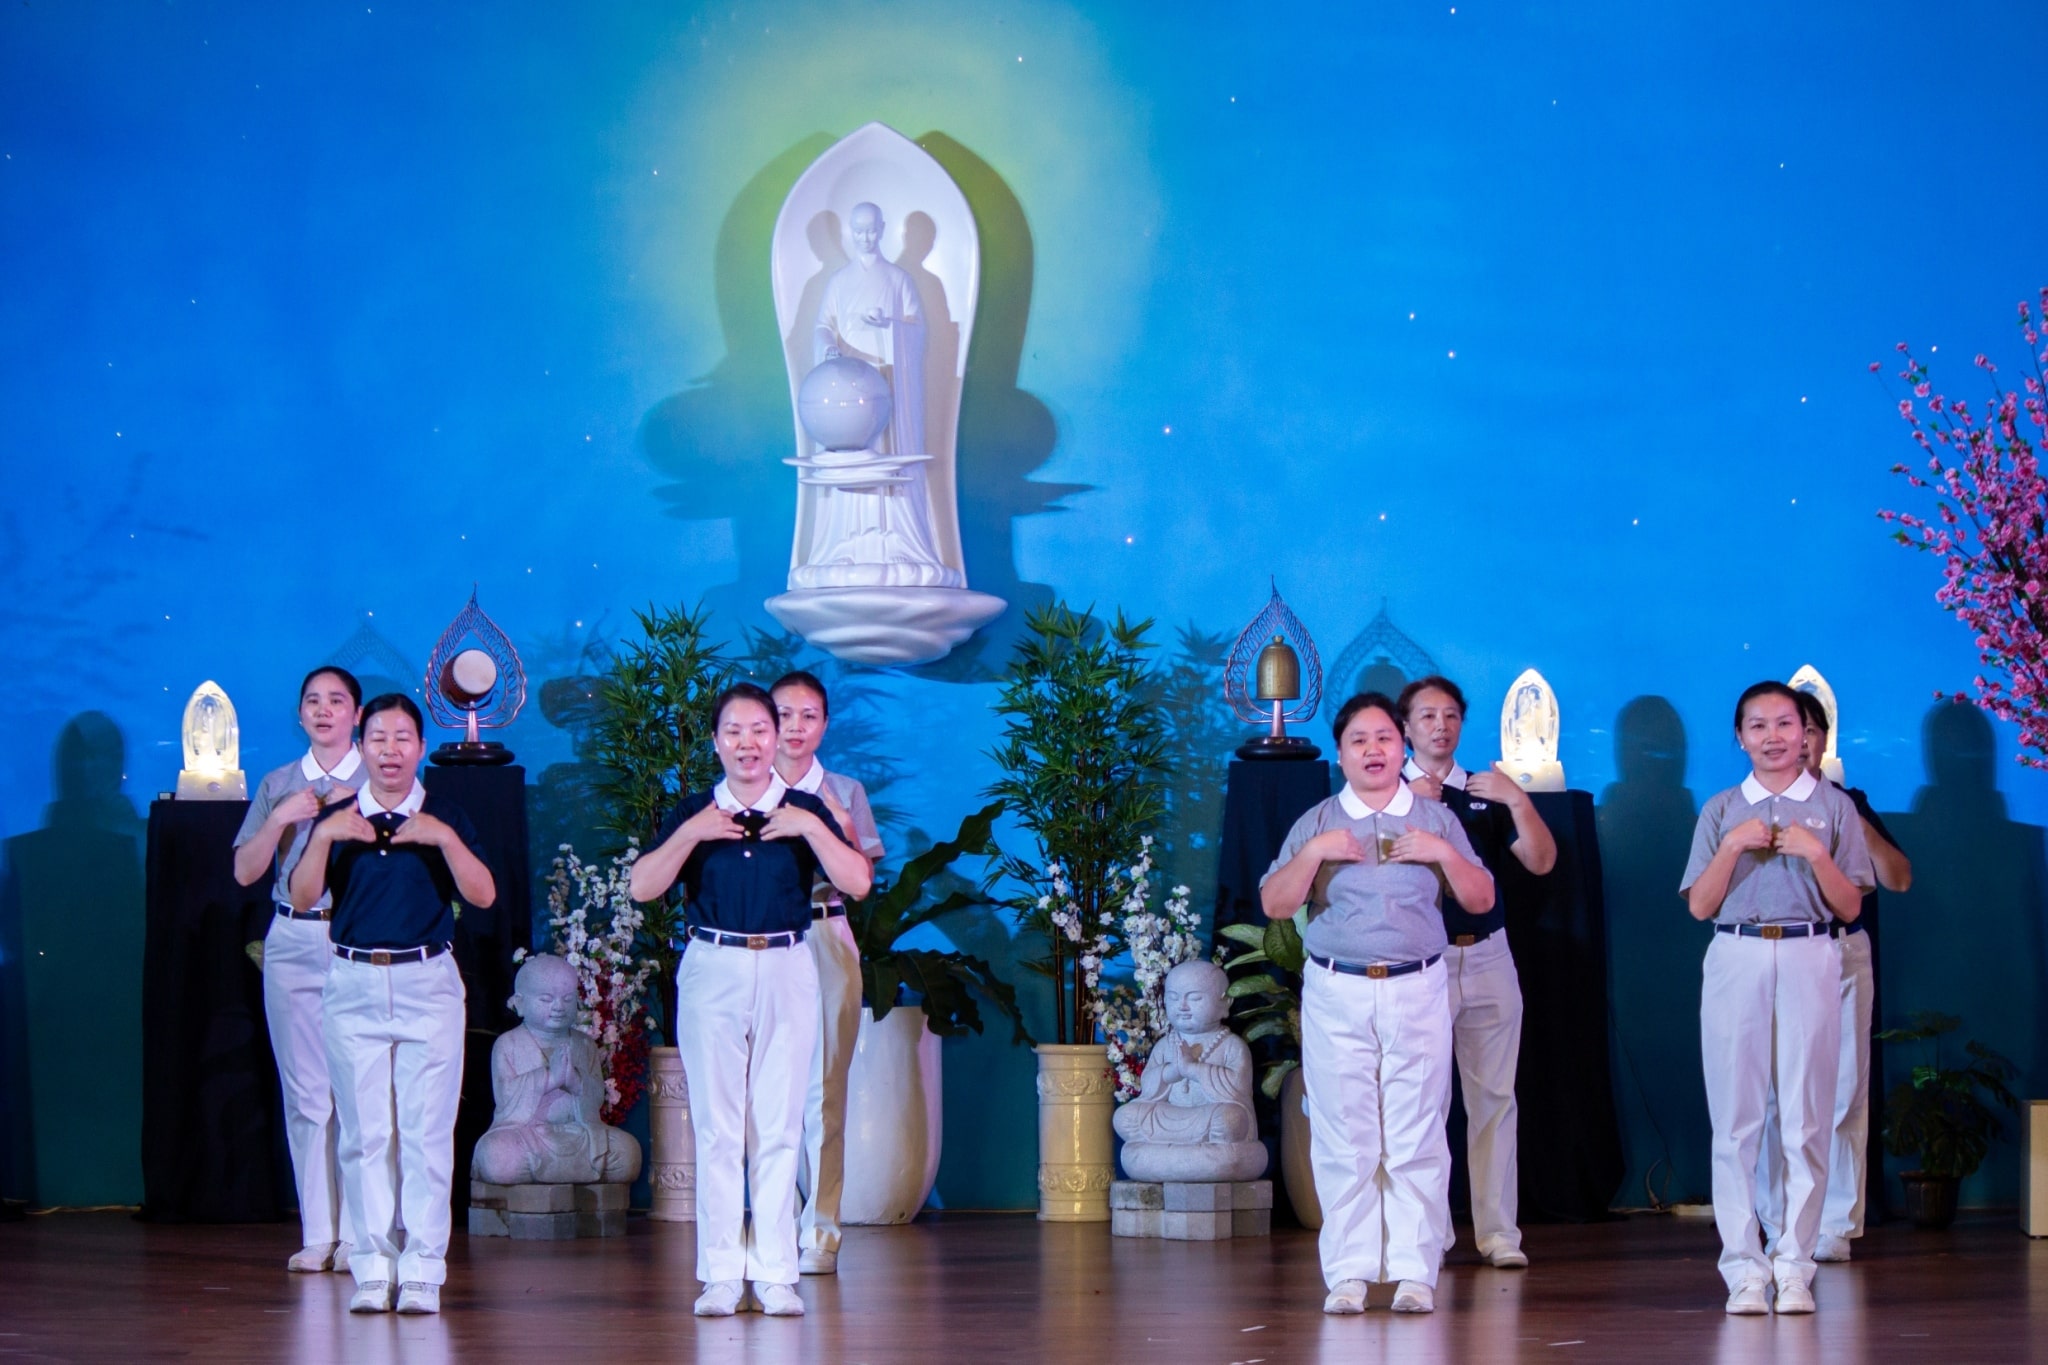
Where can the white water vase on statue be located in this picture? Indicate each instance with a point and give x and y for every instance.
(876, 266)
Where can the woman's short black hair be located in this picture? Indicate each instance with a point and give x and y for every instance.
(1768, 688)
(394, 701)
(1815, 713)
(1420, 685)
(743, 691)
(348, 680)
(799, 677)
(1364, 701)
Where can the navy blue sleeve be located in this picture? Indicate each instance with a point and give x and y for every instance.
(1863, 809)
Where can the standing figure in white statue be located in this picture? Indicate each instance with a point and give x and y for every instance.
(804, 713)
(1841, 1213)
(297, 954)
(748, 852)
(1776, 863)
(873, 524)
(1485, 991)
(1375, 1010)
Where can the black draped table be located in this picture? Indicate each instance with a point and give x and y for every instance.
(213, 1147)
(1570, 1147)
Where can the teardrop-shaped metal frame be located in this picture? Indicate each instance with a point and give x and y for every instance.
(1240, 669)
(472, 628)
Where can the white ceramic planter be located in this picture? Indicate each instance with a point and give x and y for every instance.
(672, 1170)
(1076, 1153)
(895, 1116)
(1299, 1171)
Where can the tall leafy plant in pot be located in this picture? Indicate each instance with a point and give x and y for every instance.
(1083, 761)
(652, 737)
(1938, 1116)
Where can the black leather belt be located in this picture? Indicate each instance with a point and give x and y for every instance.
(1378, 971)
(387, 957)
(1840, 930)
(286, 912)
(1774, 931)
(1470, 940)
(788, 938)
(834, 911)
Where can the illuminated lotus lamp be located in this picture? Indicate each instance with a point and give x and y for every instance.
(213, 748)
(1808, 679)
(1528, 734)
(474, 683)
(1260, 685)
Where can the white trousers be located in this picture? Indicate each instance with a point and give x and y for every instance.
(296, 955)
(1770, 1016)
(824, 1169)
(750, 1027)
(1486, 1031)
(1376, 1066)
(394, 1049)
(1841, 1211)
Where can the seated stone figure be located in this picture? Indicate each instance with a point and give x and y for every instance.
(1192, 1119)
(545, 1078)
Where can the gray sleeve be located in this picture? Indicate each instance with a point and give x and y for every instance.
(260, 807)
(1306, 828)
(1706, 837)
(1850, 850)
(864, 832)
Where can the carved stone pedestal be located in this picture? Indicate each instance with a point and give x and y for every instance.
(1191, 1211)
(672, 1141)
(547, 1213)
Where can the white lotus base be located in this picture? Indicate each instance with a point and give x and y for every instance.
(885, 625)
(895, 1107)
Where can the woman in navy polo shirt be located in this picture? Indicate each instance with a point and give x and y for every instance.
(747, 852)
(393, 1007)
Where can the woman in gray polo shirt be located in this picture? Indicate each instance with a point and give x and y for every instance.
(1776, 863)
(1372, 865)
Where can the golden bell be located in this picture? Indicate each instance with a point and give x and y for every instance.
(1279, 672)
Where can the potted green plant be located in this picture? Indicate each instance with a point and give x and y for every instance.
(1939, 1116)
(1275, 1012)
(1082, 761)
(915, 997)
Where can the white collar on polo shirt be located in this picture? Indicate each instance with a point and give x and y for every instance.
(351, 763)
(1355, 807)
(1455, 778)
(767, 801)
(812, 780)
(414, 799)
(1754, 791)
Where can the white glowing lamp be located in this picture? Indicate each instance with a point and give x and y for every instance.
(213, 748)
(1528, 734)
(1808, 679)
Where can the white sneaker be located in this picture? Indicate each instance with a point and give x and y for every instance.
(1750, 1298)
(720, 1300)
(1508, 1258)
(1831, 1249)
(311, 1260)
(1414, 1297)
(817, 1261)
(342, 1251)
(372, 1296)
(1346, 1297)
(1794, 1296)
(778, 1300)
(415, 1296)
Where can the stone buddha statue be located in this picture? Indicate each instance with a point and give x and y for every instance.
(1192, 1119)
(549, 1090)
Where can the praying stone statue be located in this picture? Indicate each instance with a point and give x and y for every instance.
(549, 1090)
(1192, 1119)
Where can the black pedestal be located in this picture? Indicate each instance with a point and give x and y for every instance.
(1261, 802)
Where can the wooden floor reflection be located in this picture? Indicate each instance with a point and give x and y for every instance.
(961, 1288)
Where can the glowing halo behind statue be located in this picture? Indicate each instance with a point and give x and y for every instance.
(876, 268)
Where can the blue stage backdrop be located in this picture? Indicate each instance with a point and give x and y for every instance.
(1520, 334)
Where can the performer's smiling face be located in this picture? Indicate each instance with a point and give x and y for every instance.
(802, 715)
(746, 740)
(1435, 723)
(1370, 751)
(1773, 733)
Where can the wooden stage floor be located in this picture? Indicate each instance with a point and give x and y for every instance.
(984, 1288)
